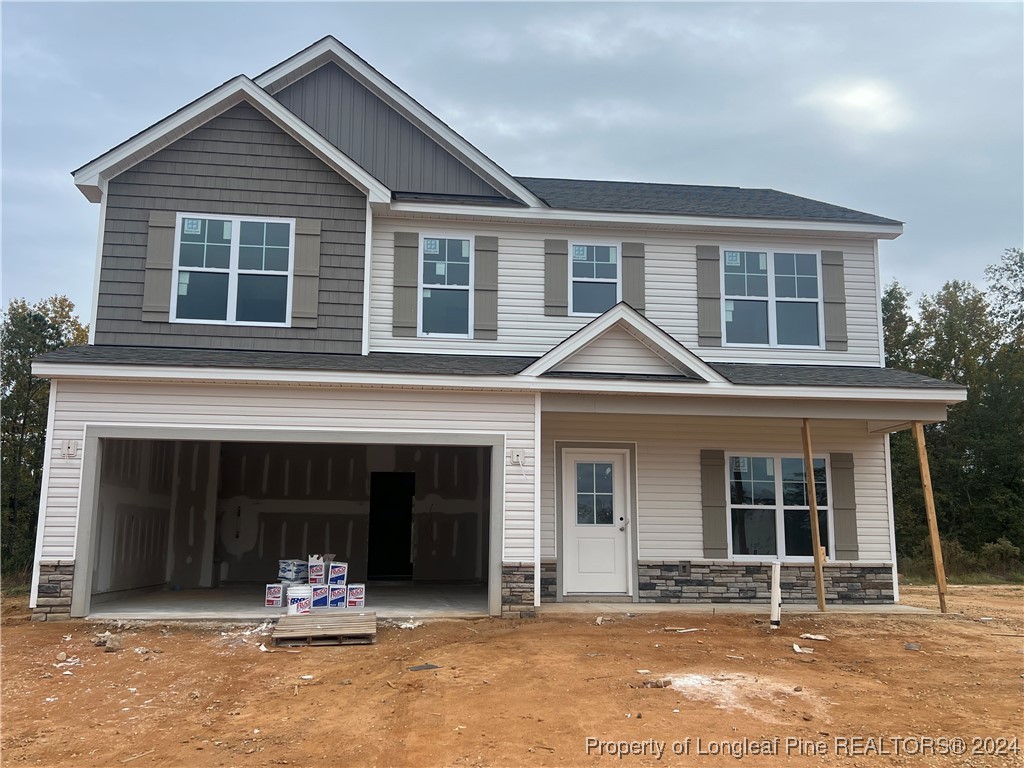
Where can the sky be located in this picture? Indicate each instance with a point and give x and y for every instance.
(911, 111)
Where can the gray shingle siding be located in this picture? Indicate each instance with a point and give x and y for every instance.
(238, 163)
(377, 137)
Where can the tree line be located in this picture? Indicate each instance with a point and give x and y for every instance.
(973, 336)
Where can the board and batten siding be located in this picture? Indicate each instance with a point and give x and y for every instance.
(237, 163)
(668, 492)
(380, 411)
(378, 138)
(671, 292)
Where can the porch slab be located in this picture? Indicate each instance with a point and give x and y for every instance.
(244, 602)
(794, 609)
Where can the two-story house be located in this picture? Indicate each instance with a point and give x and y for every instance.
(325, 322)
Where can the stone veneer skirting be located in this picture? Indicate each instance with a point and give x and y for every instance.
(549, 581)
(517, 591)
(53, 597)
(664, 581)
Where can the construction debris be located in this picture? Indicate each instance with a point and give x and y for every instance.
(798, 649)
(807, 636)
(912, 646)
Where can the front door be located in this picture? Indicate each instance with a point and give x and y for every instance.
(595, 523)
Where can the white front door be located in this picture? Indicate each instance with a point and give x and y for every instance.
(595, 522)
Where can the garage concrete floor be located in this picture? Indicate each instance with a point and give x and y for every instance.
(245, 601)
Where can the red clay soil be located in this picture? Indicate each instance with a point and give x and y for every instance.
(528, 692)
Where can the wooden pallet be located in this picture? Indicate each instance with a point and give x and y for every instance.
(326, 629)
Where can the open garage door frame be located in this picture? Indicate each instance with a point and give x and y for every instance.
(85, 539)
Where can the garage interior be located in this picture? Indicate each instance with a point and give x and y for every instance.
(196, 528)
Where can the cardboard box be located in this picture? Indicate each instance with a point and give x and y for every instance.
(338, 596)
(275, 596)
(317, 571)
(320, 596)
(291, 570)
(356, 596)
(338, 574)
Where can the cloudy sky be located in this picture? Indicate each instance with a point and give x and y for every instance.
(911, 111)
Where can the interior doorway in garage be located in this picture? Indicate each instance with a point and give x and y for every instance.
(196, 528)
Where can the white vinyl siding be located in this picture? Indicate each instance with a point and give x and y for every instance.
(291, 408)
(618, 351)
(668, 488)
(671, 292)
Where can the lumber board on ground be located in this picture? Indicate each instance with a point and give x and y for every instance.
(331, 627)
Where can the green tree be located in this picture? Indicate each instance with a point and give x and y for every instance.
(26, 331)
(1006, 285)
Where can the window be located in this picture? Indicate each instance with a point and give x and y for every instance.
(446, 279)
(769, 513)
(232, 269)
(772, 298)
(594, 271)
(594, 493)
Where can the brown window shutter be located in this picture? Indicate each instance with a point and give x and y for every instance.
(709, 296)
(156, 293)
(833, 281)
(556, 277)
(306, 274)
(712, 495)
(844, 506)
(406, 284)
(633, 276)
(485, 288)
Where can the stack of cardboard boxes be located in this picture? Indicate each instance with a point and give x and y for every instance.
(317, 583)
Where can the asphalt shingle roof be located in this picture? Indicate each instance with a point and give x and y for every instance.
(745, 374)
(689, 200)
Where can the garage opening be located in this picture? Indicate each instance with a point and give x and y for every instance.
(196, 528)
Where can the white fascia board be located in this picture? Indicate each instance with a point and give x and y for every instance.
(642, 328)
(354, 65)
(512, 383)
(241, 88)
(675, 221)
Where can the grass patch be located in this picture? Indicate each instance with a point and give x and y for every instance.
(16, 583)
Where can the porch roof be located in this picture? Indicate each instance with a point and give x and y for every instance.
(743, 374)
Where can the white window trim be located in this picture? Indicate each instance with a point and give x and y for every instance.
(232, 271)
(618, 274)
(471, 287)
(771, 299)
(778, 508)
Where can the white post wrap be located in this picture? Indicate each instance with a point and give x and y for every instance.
(776, 615)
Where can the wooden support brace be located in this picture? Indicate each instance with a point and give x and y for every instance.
(812, 498)
(929, 509)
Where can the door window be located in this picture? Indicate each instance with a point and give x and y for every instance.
(594, 493)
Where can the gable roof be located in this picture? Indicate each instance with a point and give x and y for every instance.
(689, 200)
(330, 49)
(644, 332)
(91, 176)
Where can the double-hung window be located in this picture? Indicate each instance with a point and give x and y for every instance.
(768, 508)
(446, 286)
(594, 278)
(772, 298)
(232, 269)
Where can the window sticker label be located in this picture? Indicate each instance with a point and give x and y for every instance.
(763, 260)
(732, 259)
(740, 464)
(431, 246)
(183, 284)
(227, 230)
(192, 226)
(426, 293)
(769, 468)
(579, 253)
(440, 268)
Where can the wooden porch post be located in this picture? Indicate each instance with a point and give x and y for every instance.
(812, 497)
(929, 508)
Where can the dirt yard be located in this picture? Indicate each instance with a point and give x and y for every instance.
(529, 692)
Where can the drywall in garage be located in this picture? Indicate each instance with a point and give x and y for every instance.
(193, 510)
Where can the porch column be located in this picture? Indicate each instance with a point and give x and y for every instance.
(812, 498)
(929, 508)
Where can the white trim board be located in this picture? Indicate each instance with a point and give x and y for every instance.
(330, 49)
(88, 178)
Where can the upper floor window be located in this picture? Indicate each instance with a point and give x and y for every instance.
(594, 280)
(446, 281)
(233, 269)
(769, 512)
(772, 298)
